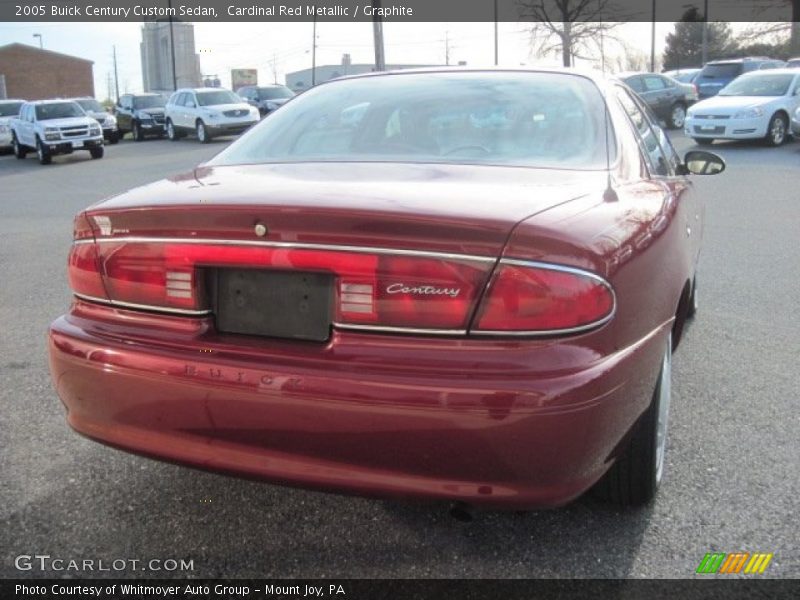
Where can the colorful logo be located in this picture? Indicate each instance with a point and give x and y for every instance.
(738, 562)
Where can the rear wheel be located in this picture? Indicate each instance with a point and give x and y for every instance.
(703, 141)
(19, 150)
(97, 152)
(43, 153)
(677, 116)
(635, 476)
(776, 130)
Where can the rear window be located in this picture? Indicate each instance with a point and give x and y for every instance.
(526, 119)
(723, 70)
(759, 84)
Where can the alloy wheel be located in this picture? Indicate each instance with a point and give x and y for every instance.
(201, 131)
(678, 117)
(778, 131)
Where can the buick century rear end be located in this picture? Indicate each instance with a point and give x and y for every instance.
(452, 285)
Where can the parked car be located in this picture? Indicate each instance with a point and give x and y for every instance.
(9, 109)
(667, 98)
(141, 115)
(208, 112)
(719, 73)
(793, 63)
(417, 304)
(51, 127)
(265, 98)
(756, 105)
(683, 75)
(107, 121)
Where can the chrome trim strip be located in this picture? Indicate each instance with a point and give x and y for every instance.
(163, 309)
(400, 329)
(298, 245)
(549, 332)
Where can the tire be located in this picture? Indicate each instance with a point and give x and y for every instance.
(97, 152)
(172, 133)
(703, 141)
(43, 153)
(693, 304)
(634, 478)
(136, 132)
(20, 151)
(677, 116)
(202, 132)
(777, 130)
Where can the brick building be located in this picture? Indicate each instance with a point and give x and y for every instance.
(34, 74)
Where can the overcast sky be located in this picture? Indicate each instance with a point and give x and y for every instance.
(223, 46)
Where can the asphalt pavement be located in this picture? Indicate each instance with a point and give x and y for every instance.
(732, 481)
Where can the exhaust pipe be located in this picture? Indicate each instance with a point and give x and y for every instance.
(462, 512)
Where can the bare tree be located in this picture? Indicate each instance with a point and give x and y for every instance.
(574, 27)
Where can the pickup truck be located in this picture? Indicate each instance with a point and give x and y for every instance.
(51, 127)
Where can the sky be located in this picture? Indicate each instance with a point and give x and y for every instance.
(223, 46)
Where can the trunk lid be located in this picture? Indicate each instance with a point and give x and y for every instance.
(440, 208)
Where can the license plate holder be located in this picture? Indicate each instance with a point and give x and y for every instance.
(77, 143)
(280, 304)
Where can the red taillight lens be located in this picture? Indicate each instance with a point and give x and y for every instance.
(83, 266)
(373, 289)
(538, 298)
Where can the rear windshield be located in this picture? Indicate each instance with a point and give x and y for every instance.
(526, 119)
(760, 84)
(10, 109)
(58, 110)
(148, 102)
(721, 71)
(271, 93)
(217, 97)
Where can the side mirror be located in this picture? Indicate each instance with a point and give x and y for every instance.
(700, 162)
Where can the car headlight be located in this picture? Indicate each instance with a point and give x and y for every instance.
(797, 114)
(144, 117)
(750, 113)
(271, 106)
(111, 120)
(254, 112)
(3, 128)
(95, 130)
(52, 133)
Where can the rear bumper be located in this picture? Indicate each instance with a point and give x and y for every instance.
(492, 423)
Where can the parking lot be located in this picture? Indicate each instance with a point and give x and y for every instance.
(732, 481)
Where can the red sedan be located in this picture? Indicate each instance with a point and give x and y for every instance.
(462, 285)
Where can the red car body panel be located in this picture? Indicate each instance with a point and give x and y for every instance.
(512, 423)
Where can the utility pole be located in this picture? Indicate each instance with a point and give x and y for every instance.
(41, 44)
(653, 41)
(705, 33)
(116, 75)
(377, 33)
(496, 53)
(172, 48)
(314, 49)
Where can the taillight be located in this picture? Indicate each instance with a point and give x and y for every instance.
(83, 266)
(536, 298)
(371, 290)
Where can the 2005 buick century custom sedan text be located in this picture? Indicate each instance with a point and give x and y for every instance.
(462, 285)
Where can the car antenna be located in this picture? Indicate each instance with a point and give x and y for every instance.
(609, 195)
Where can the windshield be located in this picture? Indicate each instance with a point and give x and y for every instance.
(91, 104)
(148, 102)
(272, 93)
(683, 76)
(217, 97)
(527, 119)
(795, 62)
(58, 110)
(723, 71)
(758, 85)
(10, 109)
